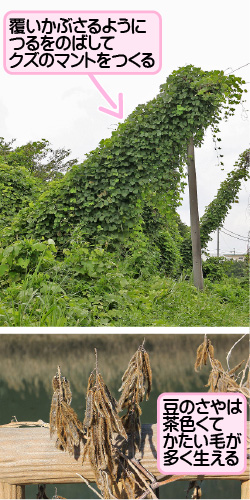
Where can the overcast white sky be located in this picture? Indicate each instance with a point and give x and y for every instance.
(64, 109)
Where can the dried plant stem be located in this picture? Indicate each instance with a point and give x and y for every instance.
(136, 384)
(247, 365)
(102, 422)
(157, 484)
(148, 474)
(60, 381)
(135, 468)
(219, 379)
(132, 477)
(63, 419)
(96, 362)
(90, 487)
(230, 352)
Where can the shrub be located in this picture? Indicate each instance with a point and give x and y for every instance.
(18, 188)
(25, 256)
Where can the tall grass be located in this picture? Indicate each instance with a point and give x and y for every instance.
(90, 286)
(123, 301)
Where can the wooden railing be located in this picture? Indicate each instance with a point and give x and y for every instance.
(28, 456)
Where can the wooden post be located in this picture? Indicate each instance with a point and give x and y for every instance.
(245, 489)
(29, 456)
(10, 491)
(194, 218)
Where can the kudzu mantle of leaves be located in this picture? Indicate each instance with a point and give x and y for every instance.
(216, 212)
(104, 196)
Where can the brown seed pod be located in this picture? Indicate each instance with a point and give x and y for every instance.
(63, 419)
(102, 422)
(202, 354)
(219, 379)
(136, 382)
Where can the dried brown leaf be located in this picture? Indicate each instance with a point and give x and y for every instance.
(231, 372)
(201, 356)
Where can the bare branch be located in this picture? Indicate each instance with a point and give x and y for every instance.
(149, 488)
(244, 371)
(87, 483)
(157, 484)
(230, 352)
(148, 474)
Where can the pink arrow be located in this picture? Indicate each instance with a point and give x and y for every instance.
(117, 114)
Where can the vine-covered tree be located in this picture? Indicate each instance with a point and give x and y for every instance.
(142, 164)
(216, 212)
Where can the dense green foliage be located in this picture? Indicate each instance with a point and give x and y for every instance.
(94, 287)
(218, 209)
(18, 188)
(24, 256)
(142, 162)
(218, 268)
(103, 244)
(216, 212)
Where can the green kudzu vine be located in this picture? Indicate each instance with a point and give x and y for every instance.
(216, 212)
(141, 165)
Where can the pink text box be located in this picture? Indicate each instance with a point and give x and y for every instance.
(82, 42)
(201, 433)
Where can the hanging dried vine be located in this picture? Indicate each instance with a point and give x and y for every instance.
(102, 423)
(63, 419)
(111, 441)
(116, 475)
(221, 380)
(136, 382)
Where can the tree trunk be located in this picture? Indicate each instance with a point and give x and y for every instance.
(194, 218)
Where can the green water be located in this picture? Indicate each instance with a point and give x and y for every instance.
(28, 397)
